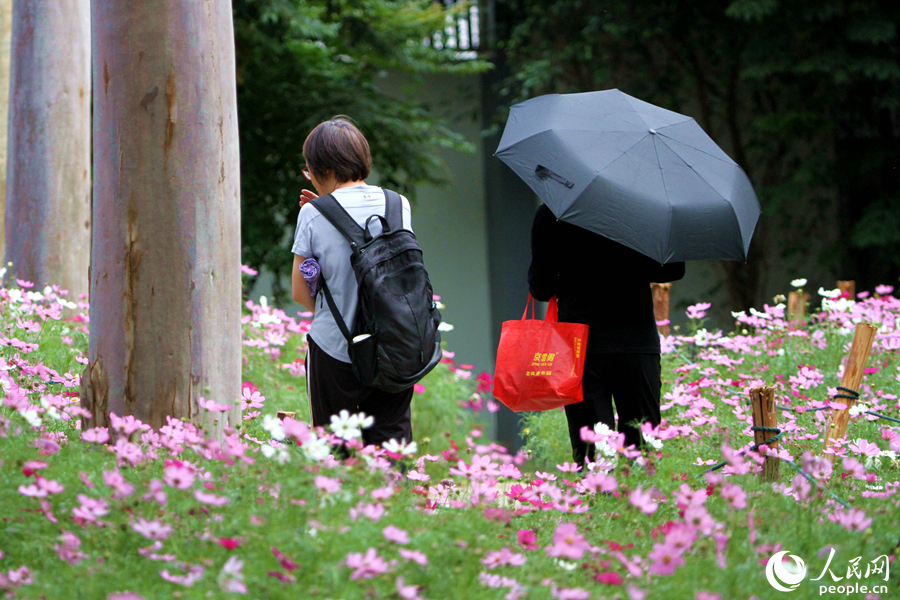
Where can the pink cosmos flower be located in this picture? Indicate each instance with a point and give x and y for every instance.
(595, 481)
(152, 530)
(155, 492)
(396, 535)
(193, 574)
(502, 557)
(373, 511)
(510, 471)
(128, 453)
(704, 595)
(865, 447)
(123, 596)
(178, 476)
(116, 481)
(33, 466)
(296, 430)
(366, 566)
(68, 548)
(89, 510)
(33, 491)
(643, 501)
(210, 499)
(567, 543)
(407, 592)
(700, 519)
(414, 556)
(609, 578)
(697, 311)
(127, 424)
(735, 495)
(329, 485)
(212, 406)
(665, 559)
(853, 519)
(251, 399)
(853, 468)
(569, 593)
(231, 579)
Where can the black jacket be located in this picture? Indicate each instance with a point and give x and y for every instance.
(598, 282)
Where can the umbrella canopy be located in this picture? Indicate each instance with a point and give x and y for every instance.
(641, 175)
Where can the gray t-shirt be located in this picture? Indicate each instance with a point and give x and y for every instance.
(315, 237)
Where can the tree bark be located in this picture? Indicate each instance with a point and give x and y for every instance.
(165, 274)
(5, 47)
(48, 185)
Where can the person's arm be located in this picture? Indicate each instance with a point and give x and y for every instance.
(543, 274)
(299, 287)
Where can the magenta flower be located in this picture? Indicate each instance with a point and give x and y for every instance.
(396, 535)
(527, 539)
(643, 501)
(366, 566)
(567, 543)
(285, 562)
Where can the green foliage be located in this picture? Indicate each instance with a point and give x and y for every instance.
(300, 62)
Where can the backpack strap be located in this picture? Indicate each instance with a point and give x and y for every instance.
(338, 216)
(342, 325)
(393, 209)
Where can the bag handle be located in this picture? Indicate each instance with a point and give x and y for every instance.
(552, 310)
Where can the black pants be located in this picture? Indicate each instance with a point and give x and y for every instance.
(632, 380)
(333, 387)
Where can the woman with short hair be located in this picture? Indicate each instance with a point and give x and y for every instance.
(338, 161)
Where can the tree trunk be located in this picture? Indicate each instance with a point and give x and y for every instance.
(5, 47)
(165, 274)
(48, 186)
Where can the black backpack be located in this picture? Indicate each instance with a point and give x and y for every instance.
(395, 340)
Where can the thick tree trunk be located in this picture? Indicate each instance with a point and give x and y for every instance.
(5, 47)
(48, 185)
(165, 272)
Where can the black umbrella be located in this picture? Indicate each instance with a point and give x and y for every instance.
(641, 175)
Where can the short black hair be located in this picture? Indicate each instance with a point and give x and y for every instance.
(337, 145)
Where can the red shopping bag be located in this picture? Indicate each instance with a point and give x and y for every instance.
(540, 363)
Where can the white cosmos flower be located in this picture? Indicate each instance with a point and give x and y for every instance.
(829, 293)
(272, 424)
(400, 447)
(344, 426)
(445, 327)
(362, 420)
(798, 283)
(317, 448)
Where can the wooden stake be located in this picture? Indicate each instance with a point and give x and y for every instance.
(848, 287)
(762, 400)
(797, 307)
(853, 374)
(661, 293)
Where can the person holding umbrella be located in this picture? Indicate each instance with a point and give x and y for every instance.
(630, 191)
(607, 286)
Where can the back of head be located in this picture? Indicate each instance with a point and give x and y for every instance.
(338, 146)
